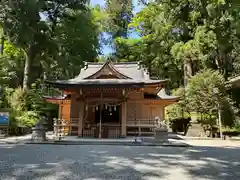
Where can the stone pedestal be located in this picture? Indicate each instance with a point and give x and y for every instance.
(161, 134)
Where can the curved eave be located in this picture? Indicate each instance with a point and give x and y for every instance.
(170, 99)
(175, 99)
(55, 99)
(104, 83)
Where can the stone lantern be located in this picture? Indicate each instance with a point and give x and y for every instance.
(161, 130)
(39, 131)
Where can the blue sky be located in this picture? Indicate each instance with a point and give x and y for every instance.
(107, 49)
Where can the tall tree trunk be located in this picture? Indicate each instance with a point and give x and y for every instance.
(188, 71)
(27, 67)
(2, 44)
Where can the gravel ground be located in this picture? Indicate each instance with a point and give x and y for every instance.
(74, 162)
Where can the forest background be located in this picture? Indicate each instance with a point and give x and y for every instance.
(192, 43)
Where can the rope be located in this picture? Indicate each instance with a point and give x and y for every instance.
(106, 104)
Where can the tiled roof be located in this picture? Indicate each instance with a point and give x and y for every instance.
(132, 72)
(129, 69)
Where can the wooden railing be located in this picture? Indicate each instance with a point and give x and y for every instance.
(139, 126)
(133, 123)
(141, 123)
(62, 122)
(65, 127)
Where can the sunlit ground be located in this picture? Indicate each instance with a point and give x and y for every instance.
(45, 162)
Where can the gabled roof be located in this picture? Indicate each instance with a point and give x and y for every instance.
(107, 65)
(127, 73)
(132, 70)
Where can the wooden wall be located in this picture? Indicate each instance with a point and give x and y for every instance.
(75, 107)
(64, 110)
(142, 109)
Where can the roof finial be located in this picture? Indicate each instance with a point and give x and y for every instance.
(139, 64)
(109, 59)
(85, 65)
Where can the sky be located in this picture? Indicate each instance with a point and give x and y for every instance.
(107, 49)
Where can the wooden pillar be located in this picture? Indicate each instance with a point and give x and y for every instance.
(162, 113)
(80, 118)
(124, 120)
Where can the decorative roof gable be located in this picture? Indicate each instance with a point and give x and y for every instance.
(108, 71)
(109, 74)
(121, 70)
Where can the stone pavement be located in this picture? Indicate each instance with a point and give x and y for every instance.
(173, 141)
(15, 139)
(213, 143)
(76, 162)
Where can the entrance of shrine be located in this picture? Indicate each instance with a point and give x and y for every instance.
(107, 114)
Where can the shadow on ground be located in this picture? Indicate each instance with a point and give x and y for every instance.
(61, 162)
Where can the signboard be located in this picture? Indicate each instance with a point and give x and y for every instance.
(4, 120)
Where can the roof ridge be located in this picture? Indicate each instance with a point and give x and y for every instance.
(133, 62)
(101, 63)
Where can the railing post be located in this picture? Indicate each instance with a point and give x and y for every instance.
(80, 118)
(124, 120)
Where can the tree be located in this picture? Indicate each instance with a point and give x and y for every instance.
(121, 15)
(180, 109)
(32, 25)
(187, 36)
(12, 65)
(77, 39)
(201, 97)
(23, 26)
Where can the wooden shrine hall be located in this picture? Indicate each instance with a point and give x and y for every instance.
(110, 100)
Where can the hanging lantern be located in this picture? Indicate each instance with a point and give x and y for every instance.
(106, 106)
(96, 108)
(115, 108)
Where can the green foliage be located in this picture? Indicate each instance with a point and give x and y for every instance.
(202, 98)
(27, 119)
(200, 91)
(77, 29)
(180, 125)
(26, 106)
(17, 99)
(180, 109)
(49, 34)
(180, 41)
(121, 14)
(12, 63)
(19, 114)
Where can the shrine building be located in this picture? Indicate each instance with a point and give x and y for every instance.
(110, 100)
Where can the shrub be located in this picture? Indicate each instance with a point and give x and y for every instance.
(180, 125)
(27, 119)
